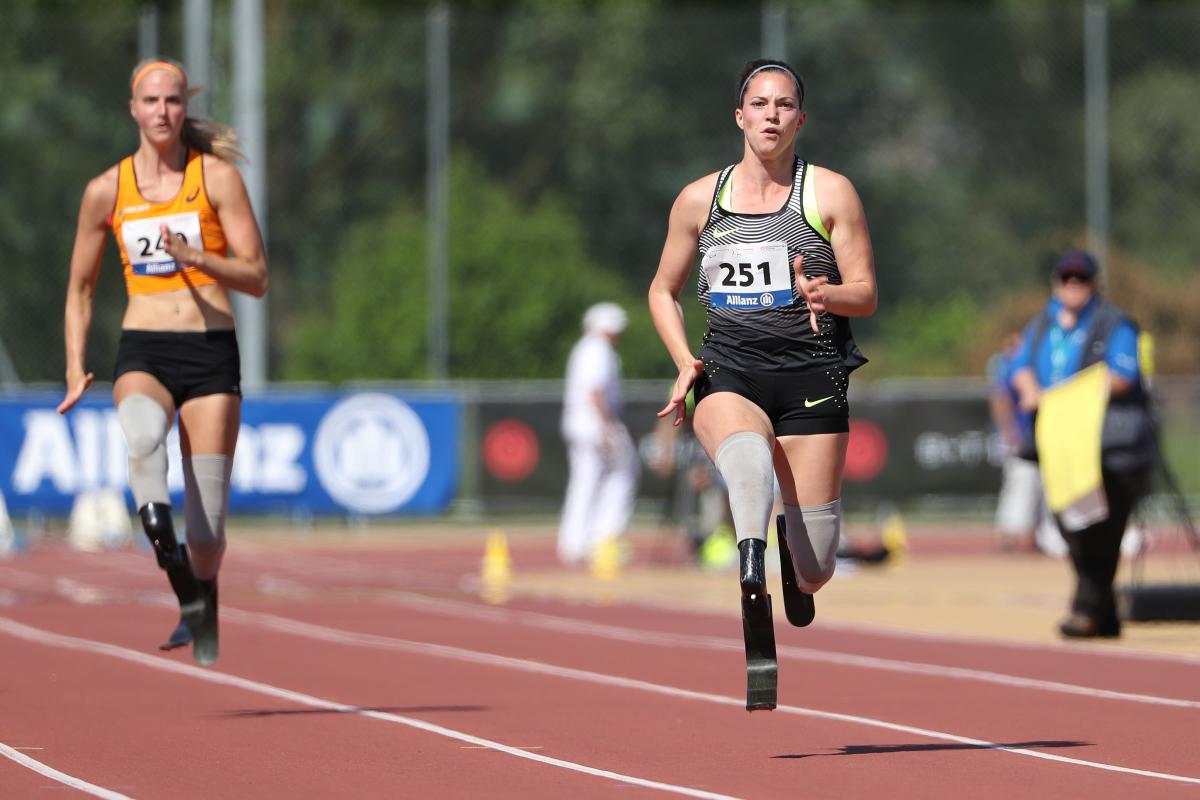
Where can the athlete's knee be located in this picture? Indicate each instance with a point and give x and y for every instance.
(145, 426)
(813, 533)
(744, 461)
(206, 505)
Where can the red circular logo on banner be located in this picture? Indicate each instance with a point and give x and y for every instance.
(510, 450)
(867, 452)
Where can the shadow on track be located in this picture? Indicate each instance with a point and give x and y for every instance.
(289, 712)
(872, 749)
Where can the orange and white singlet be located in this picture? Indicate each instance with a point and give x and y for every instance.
(189, 215)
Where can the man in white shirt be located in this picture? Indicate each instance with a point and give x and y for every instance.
(603, 460)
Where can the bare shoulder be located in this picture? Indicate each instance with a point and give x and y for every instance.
(103, 186)
(830, 182)
(836, 195)
(700, 191)
(221, 178)
(100, 194)
(695, 198)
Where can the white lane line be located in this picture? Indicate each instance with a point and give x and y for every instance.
(334, 635)
(268, 584)
(329, 566)
(61, 777)
(32, 634)
(620, 633)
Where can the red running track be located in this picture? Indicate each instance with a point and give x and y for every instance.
(373, 674)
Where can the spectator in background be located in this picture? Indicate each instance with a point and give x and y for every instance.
(603, 460)
(1020, 507)
(1075, 330)
(187, 236)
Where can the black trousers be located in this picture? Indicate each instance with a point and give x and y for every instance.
(1096, 550)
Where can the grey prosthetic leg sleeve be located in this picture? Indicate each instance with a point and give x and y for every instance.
(744, 461)
(812, 539)
(205, 506)
(145, 427)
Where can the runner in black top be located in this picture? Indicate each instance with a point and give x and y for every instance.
(785, 260)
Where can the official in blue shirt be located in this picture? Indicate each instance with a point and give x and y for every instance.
(1077, 329)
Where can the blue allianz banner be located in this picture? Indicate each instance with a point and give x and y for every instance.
(324, 452)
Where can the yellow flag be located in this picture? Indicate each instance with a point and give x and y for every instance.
(1070, 419)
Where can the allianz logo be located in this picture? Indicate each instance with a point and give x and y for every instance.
(87, 451)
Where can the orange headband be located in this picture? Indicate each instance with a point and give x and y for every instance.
(153, 65)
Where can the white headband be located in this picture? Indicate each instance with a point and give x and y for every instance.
(781, 68)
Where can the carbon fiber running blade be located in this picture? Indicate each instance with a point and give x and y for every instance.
(201, 618)
(762, 668)
(798, 606)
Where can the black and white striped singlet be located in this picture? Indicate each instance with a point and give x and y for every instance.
(761, 330)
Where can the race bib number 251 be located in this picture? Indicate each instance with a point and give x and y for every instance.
(748, 276)
(144, 245)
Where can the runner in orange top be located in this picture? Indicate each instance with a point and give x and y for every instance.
(187, 235)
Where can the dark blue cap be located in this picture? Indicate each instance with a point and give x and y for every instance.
(1076, 262)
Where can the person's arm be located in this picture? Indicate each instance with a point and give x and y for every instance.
(1004, 417)
(1121, 358)
(91, 228)
(1024, 378)
(674, 266)
(246, 269)
(842, 212)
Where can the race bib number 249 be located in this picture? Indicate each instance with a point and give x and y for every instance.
(144, 245)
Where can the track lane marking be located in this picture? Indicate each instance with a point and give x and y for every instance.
(56, 775)
(561, 624)
(334, 635)
(86, 594)
(333, 566)
(33, 634)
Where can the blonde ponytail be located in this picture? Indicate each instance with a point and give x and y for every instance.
(212, 137)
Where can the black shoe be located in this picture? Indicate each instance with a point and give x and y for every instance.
(1080, 626)
(752, 569)
(201, 618)
(798, 605)
(182, 635)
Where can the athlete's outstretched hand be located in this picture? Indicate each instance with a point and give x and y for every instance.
(76, 386)
(683, 384)
(178, 248)
(812, 290)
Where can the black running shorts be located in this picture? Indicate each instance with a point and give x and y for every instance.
(189, 364)
(797, 403)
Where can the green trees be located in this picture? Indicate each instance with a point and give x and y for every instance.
(573, 128)
(520, 279)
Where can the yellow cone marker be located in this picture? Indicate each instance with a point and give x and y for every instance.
(606, 561)
(496, 578)
(895, 539)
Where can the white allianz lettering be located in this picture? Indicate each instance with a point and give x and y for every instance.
(268, 459)
(47, 452)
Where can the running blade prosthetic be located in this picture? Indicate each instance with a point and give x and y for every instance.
(797, 605)
(201, 618)
(762, 667)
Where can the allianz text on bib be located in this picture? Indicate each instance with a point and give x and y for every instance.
(750, 277)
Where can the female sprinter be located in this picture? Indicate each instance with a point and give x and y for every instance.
(187, 235)
(785, 258)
